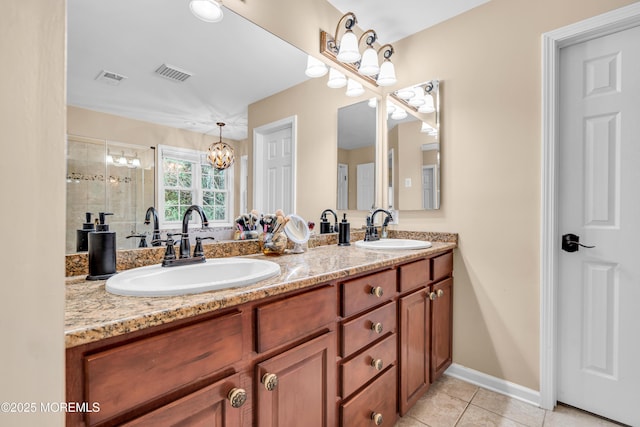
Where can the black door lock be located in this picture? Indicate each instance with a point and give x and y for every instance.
(571, 243)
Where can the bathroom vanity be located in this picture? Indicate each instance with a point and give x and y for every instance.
(343, 337)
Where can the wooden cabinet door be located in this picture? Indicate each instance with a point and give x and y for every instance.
(415, 318)
(209, 406)
(441, 328)
(303, 386)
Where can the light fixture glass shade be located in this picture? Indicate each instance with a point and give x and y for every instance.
(418, 98)
(354, 88)
(390, 107)
(206, 10)
(373, 102)
(315, 67)
(387, 76)
(399, 114)
(109, 159)
(405, 93)
(336, 79)
(428, 106)
(220, 154)
(122, 161)
(135, 162)
(426, 128)
(369, 64)
(348, 51)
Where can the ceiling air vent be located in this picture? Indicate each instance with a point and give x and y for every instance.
(173, 73)
(110, 78)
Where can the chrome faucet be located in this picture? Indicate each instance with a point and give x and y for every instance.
(155, 239)
(371, 232)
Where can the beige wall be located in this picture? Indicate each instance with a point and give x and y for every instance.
(32, 113)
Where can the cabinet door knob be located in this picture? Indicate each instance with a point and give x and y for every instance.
(237, 397)
(377, 418)
(377, 291)
(270, 381)
(432, 296)
(440, 293)
(377, 327)
(377, 364)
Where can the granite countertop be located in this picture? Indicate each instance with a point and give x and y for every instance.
(92, 314)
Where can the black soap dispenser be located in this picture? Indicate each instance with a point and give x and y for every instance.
(102, 250)
(82, 236)
(325, 226)
(344, 232)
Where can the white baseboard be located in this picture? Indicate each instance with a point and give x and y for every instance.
(494, 384)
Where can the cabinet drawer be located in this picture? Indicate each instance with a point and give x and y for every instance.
(357, 294)
(414, 275)
(367, 328)
(126, 376)
(207, 406)
(362, 368)
(442, 266)
(295, 317)
(378, 398)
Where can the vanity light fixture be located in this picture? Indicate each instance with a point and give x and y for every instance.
(399, 114)
(336, 79)
(122, 161)
(354, 88)
(420, 97)
(206, 10)
(315, 67)
(373, 102)
(135, 163)
(346, 52)
(428, 129)
(109, 158)
(220, 153)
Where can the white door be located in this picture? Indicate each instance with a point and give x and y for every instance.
(428, 173)
(343, 187)
(274, 174)
(365, 186)
(599, 200)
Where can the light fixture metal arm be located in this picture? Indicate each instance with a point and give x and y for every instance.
(348, 24)
(369, 40)
(387, 50)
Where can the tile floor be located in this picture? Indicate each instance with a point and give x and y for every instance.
(451, 402)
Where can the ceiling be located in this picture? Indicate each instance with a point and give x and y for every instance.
(230, 62)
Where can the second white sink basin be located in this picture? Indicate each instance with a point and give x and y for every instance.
(394, 244)
(214, 274)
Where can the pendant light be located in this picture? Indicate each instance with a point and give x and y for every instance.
(220, 153)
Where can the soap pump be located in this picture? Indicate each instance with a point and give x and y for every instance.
(344, 232)
(102, 250)
(82, 236)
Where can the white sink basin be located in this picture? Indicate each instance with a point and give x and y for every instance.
(214, 274)
(394, 244)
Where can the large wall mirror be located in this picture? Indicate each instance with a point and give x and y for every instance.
(357, 136)
(108, 44)
(414, 143)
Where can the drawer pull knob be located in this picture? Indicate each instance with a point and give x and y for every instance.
(270, 381)
(237, 397)
(440, 293)
(377, 327)
(377, 418)
(377, 364)
(377, 291)
(432, 296)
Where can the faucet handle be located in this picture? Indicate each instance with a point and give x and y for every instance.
(198, 251)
